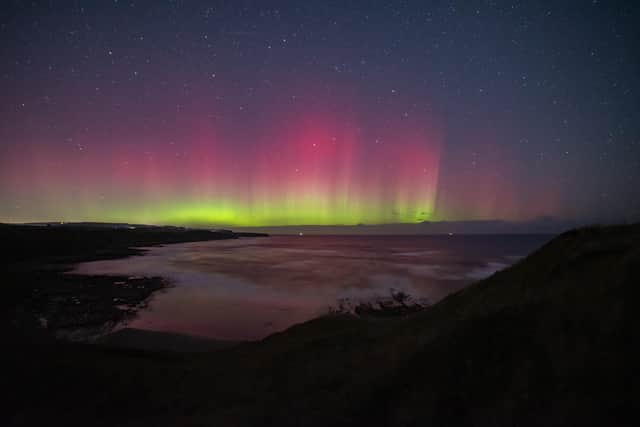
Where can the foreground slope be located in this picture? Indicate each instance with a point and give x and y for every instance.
(551, 340)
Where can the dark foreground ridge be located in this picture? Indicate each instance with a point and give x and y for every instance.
(551, 340)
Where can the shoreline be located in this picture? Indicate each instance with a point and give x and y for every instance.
(249, 285)
(46, 300)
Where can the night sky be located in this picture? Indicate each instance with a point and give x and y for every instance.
(245, 113)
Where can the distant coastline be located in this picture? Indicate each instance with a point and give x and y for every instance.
(543, 225)
(538, 226)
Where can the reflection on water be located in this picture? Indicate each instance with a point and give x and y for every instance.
(249, 288)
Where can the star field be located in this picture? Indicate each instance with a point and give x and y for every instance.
(281, 113)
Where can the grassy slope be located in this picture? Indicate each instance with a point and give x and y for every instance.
(549, 341)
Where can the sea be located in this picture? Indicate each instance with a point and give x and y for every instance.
(249, 288)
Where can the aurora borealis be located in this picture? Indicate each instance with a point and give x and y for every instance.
(293, 113)
(316, 169)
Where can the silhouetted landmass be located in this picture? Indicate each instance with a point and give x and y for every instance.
(552, 340)
(79, 242)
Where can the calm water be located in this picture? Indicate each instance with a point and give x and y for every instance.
(250, 288)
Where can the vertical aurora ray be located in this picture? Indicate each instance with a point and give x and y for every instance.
(307, 169)
(316, 172)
